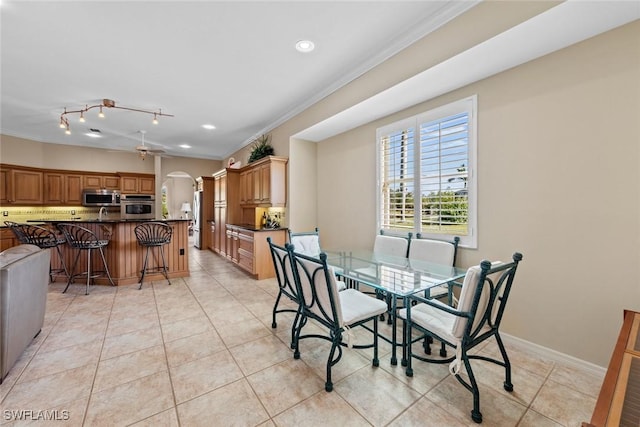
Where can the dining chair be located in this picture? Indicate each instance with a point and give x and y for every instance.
(438, 252)
(483, 298)
(336, 311)
(308, 243)
(286, 285)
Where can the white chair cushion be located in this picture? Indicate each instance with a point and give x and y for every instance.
(432, 319)
(467, 294)
(308, 244)
(391, 245)
(357, 306)
(429, 250)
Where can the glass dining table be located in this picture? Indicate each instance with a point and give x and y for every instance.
(394, 278)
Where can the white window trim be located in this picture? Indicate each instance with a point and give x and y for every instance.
(470, 105)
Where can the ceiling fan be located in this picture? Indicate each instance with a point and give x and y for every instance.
(143, 150)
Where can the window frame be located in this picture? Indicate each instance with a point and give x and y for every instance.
(468, 105)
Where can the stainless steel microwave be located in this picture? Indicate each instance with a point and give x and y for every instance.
(100, 197)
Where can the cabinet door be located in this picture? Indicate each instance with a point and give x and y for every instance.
(245, 187)
(147, 185)
(265, 183)
(5, 193)
(73, 189)
(257, 185)
(27, 187)
(53, 188)
(129, 184)
(92, 181)
(111, 182)
(7, 239)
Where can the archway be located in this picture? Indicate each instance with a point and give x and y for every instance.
(177, 188)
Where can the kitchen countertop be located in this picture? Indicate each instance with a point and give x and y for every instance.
(96, 220)
(252, 227)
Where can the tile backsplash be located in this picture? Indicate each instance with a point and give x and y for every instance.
(26, 213)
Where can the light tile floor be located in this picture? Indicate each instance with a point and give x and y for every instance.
(202, 352)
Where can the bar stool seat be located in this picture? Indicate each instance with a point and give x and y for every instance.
(153, 234)
(83, 239)
(43, 238)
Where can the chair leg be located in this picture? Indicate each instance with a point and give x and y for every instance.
(508, 386)
(294, 329)
(476, 415)
(106, 269)
(332, 360)
(71, 276)
(164, 264)
(86, 292)
(296, 341)
(376, 361)
(275, 309)
(144, 268)
(407, 338)
(64, 265)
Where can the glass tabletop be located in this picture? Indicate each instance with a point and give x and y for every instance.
(397, 275)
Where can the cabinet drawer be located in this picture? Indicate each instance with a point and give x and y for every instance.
(245, 260)
(246, 244)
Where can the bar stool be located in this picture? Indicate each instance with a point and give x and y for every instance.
(83, 239)
(43, 238)
(153, 234)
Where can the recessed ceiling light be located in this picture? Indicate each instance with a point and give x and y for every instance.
(208, 126)
(184, 146)
(305, 46)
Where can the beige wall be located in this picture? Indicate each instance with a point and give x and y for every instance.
(559, 181)
(558, 175)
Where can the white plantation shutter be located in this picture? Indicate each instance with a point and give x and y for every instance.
(426, 182)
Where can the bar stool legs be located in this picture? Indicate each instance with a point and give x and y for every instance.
(163, 268)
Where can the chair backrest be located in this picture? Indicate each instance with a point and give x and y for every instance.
(436, 251)
(79, 237)
(318, 290)
(17, 231)
(39, 236)
(153, 233)
(391, 245)
(306, 243)
(283, 268)
(484, 295)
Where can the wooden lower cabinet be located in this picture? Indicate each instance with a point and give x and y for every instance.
(7, 239)
(249, 249)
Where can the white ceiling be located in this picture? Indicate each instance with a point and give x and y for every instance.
(231, 64)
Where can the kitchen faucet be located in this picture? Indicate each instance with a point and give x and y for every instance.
(103, 210)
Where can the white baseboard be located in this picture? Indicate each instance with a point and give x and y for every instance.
(554, 355)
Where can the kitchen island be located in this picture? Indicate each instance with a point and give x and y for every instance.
(124, 255)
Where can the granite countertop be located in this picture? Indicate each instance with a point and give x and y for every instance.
(96, 220)
(252, 227)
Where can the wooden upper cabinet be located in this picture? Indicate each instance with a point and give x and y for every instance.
(109, 182)
(137, 184)
(22, 187)
(263, 183)
(62, 189)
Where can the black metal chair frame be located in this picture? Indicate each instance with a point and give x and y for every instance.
(311, 307)
(286, 284)
(482, 324)
(43, 238)
(153, 234)
(83, 239)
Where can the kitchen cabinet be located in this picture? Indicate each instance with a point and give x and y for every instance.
(226, 208)
(249, 249)
(62, 188)
(137, 184)
(21, 186)
(212, 232)
(263, 183)
(108, 182)
(206, 185)
(7, 239)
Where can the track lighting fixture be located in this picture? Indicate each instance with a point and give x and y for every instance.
(108, 103)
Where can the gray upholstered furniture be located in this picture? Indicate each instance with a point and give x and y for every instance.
(24, 278)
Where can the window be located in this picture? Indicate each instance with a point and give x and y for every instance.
(426, 174)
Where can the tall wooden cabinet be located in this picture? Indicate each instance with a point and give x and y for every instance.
(226, 206)
(206, 185)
